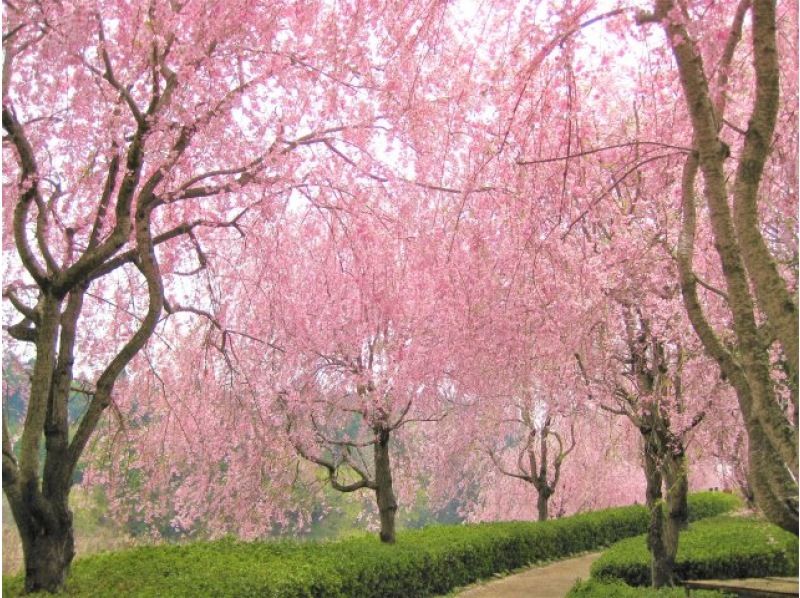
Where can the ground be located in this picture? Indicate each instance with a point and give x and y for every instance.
(550, 581)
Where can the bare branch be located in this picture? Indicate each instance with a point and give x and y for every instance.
(26, 311)
(506, 472)
(603, 149)
(616, 182)
(105, 198)
(400, 419)
(109, 76)
(183, 229)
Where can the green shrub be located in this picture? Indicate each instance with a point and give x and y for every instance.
(425, 562)
(717, 548)
(614, 588)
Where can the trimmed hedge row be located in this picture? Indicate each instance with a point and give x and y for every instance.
(614, 588)
(423, 563)
(717, 548)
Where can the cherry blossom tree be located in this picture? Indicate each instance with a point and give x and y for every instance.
(364, 357)
(337, 220)
(760, 298)
(650, 392)
(140, 140)
(194, 451)
(613, 137)
(534, 463)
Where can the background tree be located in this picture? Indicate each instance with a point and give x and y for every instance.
(364, 356)
(640, 361)
(535, 437)
(737, 268)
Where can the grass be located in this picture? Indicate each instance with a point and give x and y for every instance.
(93, 532)
(618, 589)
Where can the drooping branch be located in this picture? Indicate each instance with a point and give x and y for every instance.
(617, 180)
(332, 467)
(545, 50)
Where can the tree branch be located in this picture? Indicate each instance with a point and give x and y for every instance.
(109, 76)
(29, 187)
(603, 149)
(504, 471)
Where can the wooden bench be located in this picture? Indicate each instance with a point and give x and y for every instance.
(761, 587)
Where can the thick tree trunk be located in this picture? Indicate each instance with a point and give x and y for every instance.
(665, 465)
(48, 558)
(660, 565)
(48, 541)
(677, 505)
(387, 503)
(746, 263)
(773, 486)
(542, 505)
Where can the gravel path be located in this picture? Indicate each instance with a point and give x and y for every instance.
(551, 581)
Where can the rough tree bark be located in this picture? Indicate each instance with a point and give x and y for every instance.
(39, 494)
(751, 276)
(384, 492)
(543, 503)
(660, 565)
(676, 481)
(667, 492)
(664, 454)
(649, 387)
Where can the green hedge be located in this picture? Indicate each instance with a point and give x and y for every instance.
(614, 588)
(424, 562)
(717, 548)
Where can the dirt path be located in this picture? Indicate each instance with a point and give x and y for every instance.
(551, 581)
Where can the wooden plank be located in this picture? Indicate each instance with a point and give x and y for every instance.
(765, 587)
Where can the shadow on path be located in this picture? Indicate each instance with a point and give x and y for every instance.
(550, 581)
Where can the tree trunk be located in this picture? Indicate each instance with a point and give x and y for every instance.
(542, 505)
(677, 517)
(773, 486)
(660, 566)
(746, 264)
(48, 541)
(387, 503)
